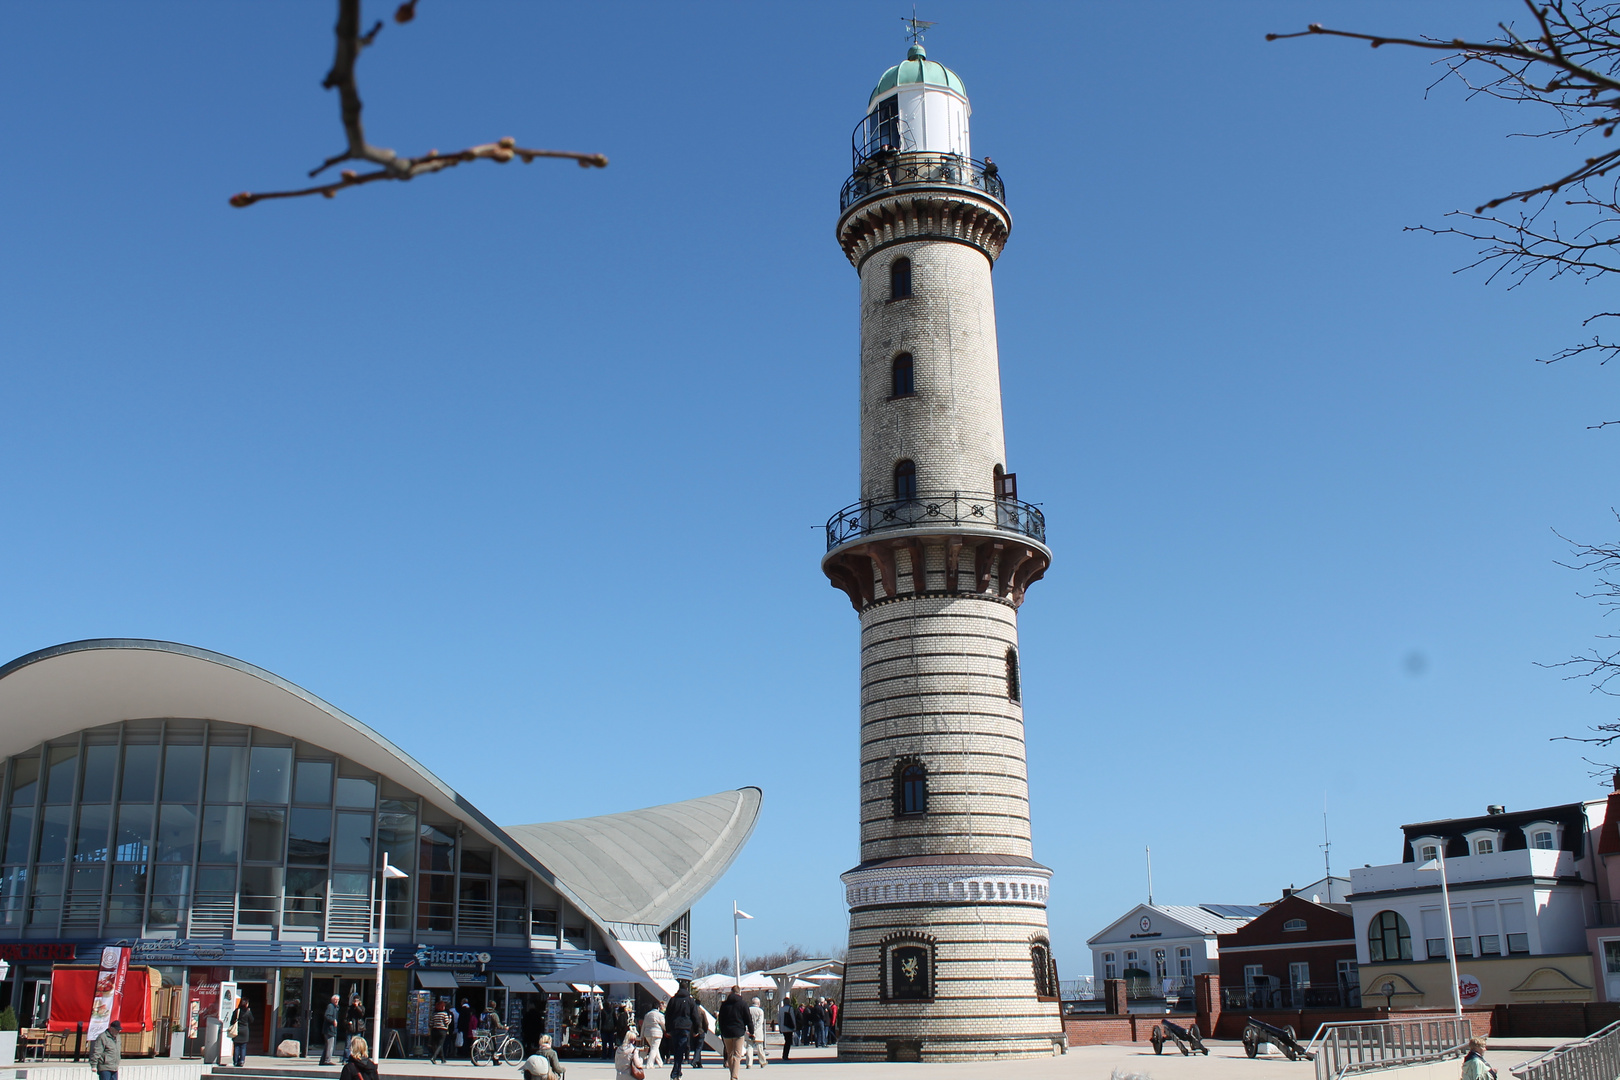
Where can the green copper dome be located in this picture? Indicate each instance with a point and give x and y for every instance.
(917, 69)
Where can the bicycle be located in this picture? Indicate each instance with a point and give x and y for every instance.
(491, 1047)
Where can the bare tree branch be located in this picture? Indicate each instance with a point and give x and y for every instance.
(350, 43)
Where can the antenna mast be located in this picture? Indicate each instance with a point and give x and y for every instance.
(1326, 846)
(1150, 874)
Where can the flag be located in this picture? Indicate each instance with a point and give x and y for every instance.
(738, 913)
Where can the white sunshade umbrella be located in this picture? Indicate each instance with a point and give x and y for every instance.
(825, 976)
(755, 980)
(718, 981)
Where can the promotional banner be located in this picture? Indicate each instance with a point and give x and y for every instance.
(109, 999)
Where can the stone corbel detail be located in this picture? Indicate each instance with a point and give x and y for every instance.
(924, 215)
(1003, 568)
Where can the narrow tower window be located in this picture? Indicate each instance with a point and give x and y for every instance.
(1015, 692)
(1040, 959)
(905, 481)
(902, 384)
(900, 278)
(911, 788)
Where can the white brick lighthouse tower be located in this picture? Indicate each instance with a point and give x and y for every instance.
(949, 956)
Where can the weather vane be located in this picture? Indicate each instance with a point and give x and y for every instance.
(916, 27)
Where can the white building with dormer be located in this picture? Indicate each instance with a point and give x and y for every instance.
(1522, 886)
(1159, 948)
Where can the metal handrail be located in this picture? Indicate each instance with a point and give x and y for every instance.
(890, 169)
(1596, 1057)
(1387, 1044)
(936, 510)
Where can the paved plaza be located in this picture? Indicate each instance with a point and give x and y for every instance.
(1226, 1061)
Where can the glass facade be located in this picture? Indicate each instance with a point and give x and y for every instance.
(202, 829)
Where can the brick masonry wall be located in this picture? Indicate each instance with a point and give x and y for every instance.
(951, 427)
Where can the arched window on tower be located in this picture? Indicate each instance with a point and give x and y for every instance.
(910, 788)
(905, 481)
(1015, 689)
(1045, 971)
(900, 278)
(901, 384)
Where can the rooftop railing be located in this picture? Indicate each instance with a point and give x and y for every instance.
(888, 170)
(944, 510)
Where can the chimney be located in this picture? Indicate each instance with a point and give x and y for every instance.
(1495, 808)
(1288, 892)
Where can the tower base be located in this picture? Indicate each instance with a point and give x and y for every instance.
(963, 972)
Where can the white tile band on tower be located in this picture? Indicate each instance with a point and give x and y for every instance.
(949, 954)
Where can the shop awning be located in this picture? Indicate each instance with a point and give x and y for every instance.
(436, 980)
(520, 983)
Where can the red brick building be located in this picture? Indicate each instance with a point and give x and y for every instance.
(1299, 954)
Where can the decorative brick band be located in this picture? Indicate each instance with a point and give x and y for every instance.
(946, 214)
(968, 884)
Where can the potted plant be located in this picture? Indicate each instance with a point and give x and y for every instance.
(8, 1035)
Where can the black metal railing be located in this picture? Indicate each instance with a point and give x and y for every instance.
(969, 508)
(1291, 997)
(1605, 913)
(887, 170)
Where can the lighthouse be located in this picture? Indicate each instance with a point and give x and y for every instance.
(949, 954)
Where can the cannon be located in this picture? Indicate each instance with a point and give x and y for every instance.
(1187, 1041)
(1256, 1032)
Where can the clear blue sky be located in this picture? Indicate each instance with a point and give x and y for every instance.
(524, 466)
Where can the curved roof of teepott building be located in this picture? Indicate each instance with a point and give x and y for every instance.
(642, 867)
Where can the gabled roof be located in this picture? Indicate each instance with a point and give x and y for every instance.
(1205, 919)
(646, 866)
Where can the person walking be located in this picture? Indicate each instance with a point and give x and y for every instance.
(356, 1023)
(359, 1066)
(329, 1031)
(680, 1016)
(652, 1029)
(439, 1028)
(465, 1022)
(734, 1027)
(700, 1034)
(756, 1037)
(1474, 1066)
(628, 1060)
(107, 1051)
(787, 1021)
(545, 1051)
(241, 1031)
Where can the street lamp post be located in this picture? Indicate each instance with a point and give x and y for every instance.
(736, 941)
(1439, 863)
(387, 874)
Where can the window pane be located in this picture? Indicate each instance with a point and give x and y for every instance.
(216, 879)
(1611, 957)
(438, 850)
(134, 833)
(46, 905)
(19, 834)
(314, 783)
(438, 902)
(396, 833)
(13, 895)
(128, 895)
(260, 897)
(309, 836)
(353, 842)
(24, 778)
(271, 777)
(59, 777)
(227, 773)
(91, 842)
(53, 833)
(182, 773)
(1490, 945)
(221, 834)
(356, 791)
(1518, 943)
(476, 862)
(100, 770)
(140, 773)
(306, 898)
(177, 833)
(265, 828)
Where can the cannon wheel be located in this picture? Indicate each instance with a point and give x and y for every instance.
(1250, 1044)
(1157, 1039)
(1198, 1039)
(1290, 1045)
